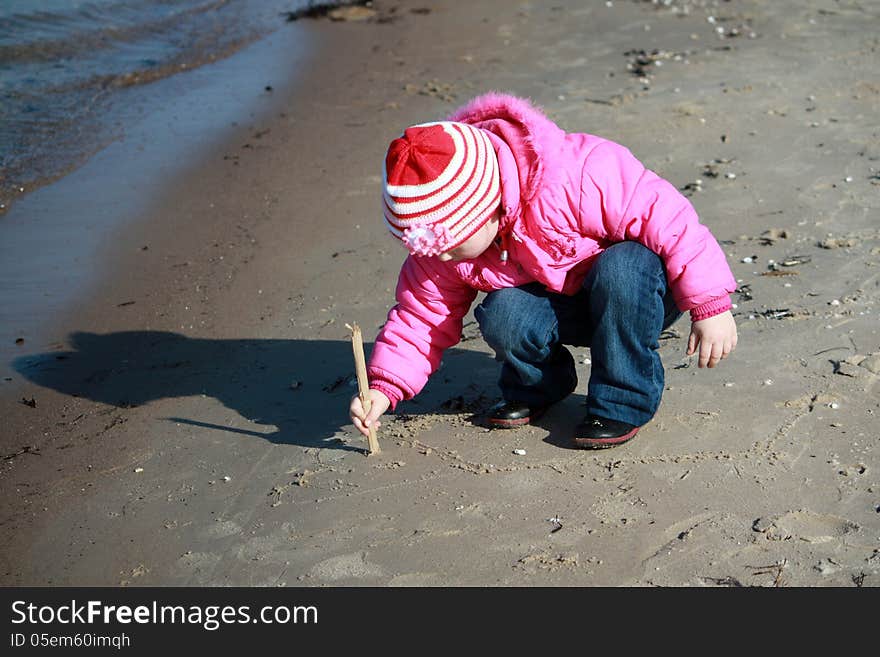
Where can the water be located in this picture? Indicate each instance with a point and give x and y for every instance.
(110, 148)
(65, 66)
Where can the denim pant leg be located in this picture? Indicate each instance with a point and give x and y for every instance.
(629, 305)
(522, 325)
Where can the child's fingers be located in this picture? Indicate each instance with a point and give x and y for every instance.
(363, 421)
(710, 353)
(692, 344)
(373, 415)
(357, 415)
(356, 409)
(360, 426)
(705, 353)
(715, 354)
(378, 405)
(728, 347)
(363, 426)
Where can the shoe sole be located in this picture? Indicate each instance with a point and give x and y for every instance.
(512, 424)
(604, 443)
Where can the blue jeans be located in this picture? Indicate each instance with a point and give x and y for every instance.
(619, 313)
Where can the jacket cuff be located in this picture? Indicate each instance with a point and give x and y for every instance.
(711, 308)
(388, 389)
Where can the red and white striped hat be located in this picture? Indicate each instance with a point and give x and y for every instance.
(440, 185)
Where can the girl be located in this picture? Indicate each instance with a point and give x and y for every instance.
(575, 242)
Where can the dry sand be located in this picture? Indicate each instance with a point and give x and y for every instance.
(199, 436)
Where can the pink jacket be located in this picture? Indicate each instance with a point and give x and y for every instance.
(565, 199)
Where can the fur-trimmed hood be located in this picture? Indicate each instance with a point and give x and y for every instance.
(530, 135)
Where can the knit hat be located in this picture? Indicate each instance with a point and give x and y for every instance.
(440, 185)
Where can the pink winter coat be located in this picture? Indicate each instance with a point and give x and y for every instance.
(565, 199)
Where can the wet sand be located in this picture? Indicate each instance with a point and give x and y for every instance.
(187, 424)
(58, 242)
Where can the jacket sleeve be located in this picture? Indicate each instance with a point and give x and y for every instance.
(427, 319)
(638, 205)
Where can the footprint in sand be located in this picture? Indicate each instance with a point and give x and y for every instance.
(806, 526)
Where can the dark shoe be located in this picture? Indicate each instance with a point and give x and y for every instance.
(598, 432)
(506, 415)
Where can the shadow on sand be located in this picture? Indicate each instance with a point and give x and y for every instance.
(302, 387)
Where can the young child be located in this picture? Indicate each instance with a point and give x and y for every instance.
(575, 242)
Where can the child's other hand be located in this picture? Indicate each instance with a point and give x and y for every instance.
(716, 337)
(361, 420)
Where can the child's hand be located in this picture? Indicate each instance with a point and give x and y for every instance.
(716, 337)
(361, 420)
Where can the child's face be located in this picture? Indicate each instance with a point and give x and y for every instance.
(474, 245)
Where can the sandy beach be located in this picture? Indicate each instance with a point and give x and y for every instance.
(186, 424)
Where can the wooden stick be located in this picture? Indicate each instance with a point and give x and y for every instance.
(360, 368)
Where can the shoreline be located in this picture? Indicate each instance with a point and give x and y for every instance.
(105, 66)
(199, 436)
(58, 240)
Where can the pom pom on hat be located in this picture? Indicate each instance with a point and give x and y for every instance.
(440, 185)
